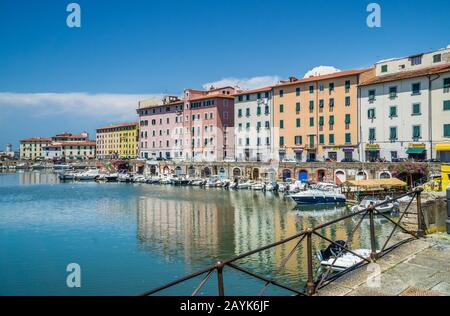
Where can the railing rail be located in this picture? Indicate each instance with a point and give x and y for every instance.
(312, 285)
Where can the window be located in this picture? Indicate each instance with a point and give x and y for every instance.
(393, 133)
(415, 88)
(446, 130)
(321, 139)
(258, 126)
(298, 140)
(297, 91)
(266, 110)
(372, 95)
(247, 97)
(331, 102)
(240, 98)
(258, 110)
(331, 86)
(281, 124)
(392, 92)
(240, 127)
(347, 101)
(321, 88)
(239, 113)
(311, 89)
(311, 105)
(247, 141)
(347, 86)
(331, 139)
(446, 85)
(281, 93)
(321, 121)
(416, 60)
(348, 138)
(258, 95)
(347, 118)
(393, 111)
(372, 135)
(297, 107)
(281, 108)
(311, 121)
(447, 105)
(384, 68)
(311, 140)
(298, 123)
(331, 119)
(416, 132)
(371, 114)
(321, 103)
(416, 109)
(247, 112)
(281, 141)
(267, 124)
(437, 58)
(247, 125)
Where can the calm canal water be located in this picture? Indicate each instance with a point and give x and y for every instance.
(129, 238)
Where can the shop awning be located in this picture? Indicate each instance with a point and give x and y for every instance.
(376, 183)
(443, 147)
(415, 150)
(372, 149)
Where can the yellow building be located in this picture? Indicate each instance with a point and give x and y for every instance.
(317, 117)
(118, 141)
(33, 148)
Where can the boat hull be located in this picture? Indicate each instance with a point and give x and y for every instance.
(312, 200)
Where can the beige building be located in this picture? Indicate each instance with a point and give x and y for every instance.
(34, 148)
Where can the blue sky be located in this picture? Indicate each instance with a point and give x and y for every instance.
(55, 79)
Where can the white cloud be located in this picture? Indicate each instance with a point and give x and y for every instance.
(245, 83)
(119, 107)
(321, 70)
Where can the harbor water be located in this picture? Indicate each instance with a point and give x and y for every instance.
(129, 238)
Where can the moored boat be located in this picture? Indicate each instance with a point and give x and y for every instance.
(322, 193)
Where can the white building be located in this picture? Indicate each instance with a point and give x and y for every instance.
(405, 107)
(253, 119)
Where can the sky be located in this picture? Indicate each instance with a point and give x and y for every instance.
(55, 79)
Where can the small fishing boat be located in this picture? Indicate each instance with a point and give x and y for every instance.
(322, 193)
(368, 201)
(339, 259)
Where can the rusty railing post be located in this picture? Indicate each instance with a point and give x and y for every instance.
(220, 278)
(373, 242)
(310, 287)
(420, 231)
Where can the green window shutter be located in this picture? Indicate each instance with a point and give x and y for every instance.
(393, 111)
(281, 108)
(384, 68)
(446, 83)
(347, 84)
(321, 139)
(331, 102)
(311, 140)
(297, 107)
(258, 110)
(311, 105)
(298, 122)
(416, 108)
(348, 138)
(347, 118)
(321, 121)
(372, 133)
(416, 131)
(447, 105)
(446, 130)
(321, 103)
(393, 133)
(240, 113)
(331, 139)
(281, 124)
(331, 119)
(281, 141)
(311, 121)
(297, 91)
(347, 101)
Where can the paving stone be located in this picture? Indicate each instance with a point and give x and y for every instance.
(364, 291)
(415, 291)
(443, 288)
(410, 274)
(434, 280)
(334, 290)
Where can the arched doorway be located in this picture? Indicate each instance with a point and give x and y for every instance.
(236, 173)
(303, 176)
(321, 174)
(385, 175)
(362, 175)
(340, 177)
(255, 174)
(178, 171)
(191, 172)
(206, 172)
(222, 173)
(166, 170)
(286, 174)
(153, 170)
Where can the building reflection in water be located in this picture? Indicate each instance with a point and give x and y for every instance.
(37, 177)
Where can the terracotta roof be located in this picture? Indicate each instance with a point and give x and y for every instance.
(407, 74)
(154, 106)
(324, 77)
(213, 96)
(35, 140)
(118, 126)
(254, 91)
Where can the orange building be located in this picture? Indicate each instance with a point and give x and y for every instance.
(317, 117)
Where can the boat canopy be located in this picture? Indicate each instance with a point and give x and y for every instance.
(376, 183)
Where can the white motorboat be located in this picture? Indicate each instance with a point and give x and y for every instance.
(22, 166)
(67, 175)
(61, 167)
(88, 175)
(245, 185)
(368, 201)
(321, 193)
(37, 166)
(259, 186)
(140, 179)
(112, 177)
(124, 177)
(339, 259)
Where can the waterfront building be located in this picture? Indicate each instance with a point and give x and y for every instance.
(33, 148)
(405, 108)
(253, 116)
(161, 129)
(80, 150)
(316, 117)
(209, 124)
(8, 153)
(117, 141)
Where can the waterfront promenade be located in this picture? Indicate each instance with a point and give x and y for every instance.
(418, 268)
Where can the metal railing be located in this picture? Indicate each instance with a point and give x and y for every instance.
(313, 285)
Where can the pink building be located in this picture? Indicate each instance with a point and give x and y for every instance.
(199, 127)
